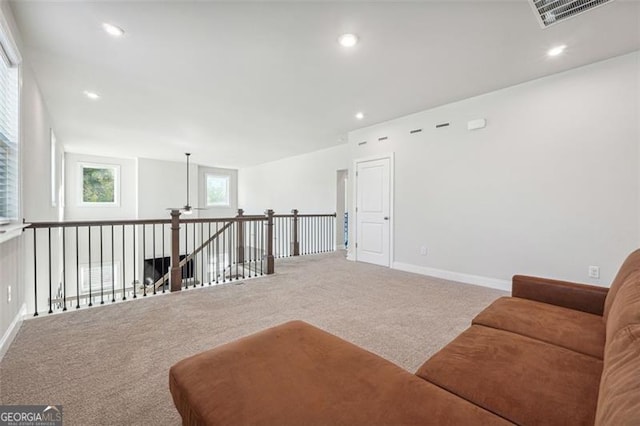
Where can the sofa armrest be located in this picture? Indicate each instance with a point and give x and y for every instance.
(581, 297)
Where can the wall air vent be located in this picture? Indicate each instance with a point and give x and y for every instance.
(551, 12)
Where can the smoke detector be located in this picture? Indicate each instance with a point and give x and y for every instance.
(550, 12)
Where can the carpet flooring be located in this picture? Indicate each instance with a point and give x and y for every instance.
(109, 365)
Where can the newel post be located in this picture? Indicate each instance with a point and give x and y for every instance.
(240, 236)
(295, 244)
(270, 259)
(176, 273)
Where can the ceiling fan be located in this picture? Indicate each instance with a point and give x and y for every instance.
(187, 208)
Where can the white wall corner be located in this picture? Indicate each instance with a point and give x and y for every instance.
(454, 276)
(12, 331)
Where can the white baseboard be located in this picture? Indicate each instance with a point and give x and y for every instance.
(11, 332)
(454, 276)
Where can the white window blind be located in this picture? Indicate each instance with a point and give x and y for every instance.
(9, 156)
(10, 60)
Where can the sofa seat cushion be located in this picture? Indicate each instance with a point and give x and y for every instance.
(571, 329)
(524, 380)
(296, 374)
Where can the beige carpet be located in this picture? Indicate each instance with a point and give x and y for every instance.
(108, 365)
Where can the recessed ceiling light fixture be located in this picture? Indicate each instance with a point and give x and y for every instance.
(348, 40)
(359, 115)
(91, 95)
(113, 30)
(558, 50)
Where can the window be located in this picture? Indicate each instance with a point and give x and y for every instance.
(101, 277)
(9, 156)
(218, 191)
(99, 184)
(54, 194)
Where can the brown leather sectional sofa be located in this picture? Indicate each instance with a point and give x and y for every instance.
(555, 353)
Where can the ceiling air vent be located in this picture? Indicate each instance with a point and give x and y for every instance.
(551, 12)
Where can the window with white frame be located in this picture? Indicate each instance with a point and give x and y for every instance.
(218, 190)
(99, 277)
(9, 146)
(99, 184)
(54, 189)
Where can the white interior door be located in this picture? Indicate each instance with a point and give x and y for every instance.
(372, 211)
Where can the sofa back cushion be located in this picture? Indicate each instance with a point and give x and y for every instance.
(630, 265)
(619, 395)
(625, 309)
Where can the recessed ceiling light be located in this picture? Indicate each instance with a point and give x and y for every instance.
(348, 40)
(113, 30)
(555, 51)
(359, 115)
(91, 95)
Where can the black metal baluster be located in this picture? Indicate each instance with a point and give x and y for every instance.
(231, 251)
(144, 260)
(243, 234)
(224, 254)
(262, 247)
(77, 272)
(209, 279)
(90, 296)
(216, 255)
(289, 224)
(235, 251)
(153, 262)
(101, 270)
(255, 248)
(135, 279)
(164, 287)
(64, 269)
(186, 249)
(35, 271)
(50, 275)
(194, 256)
(202, 253)
(113, 266)
(124, 264)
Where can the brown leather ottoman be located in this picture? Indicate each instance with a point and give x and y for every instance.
(296, 374)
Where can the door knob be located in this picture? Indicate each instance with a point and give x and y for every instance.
(386, 218)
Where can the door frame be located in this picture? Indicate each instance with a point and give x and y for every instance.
(392, 217)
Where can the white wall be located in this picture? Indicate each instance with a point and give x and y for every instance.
(162, 184)
(35, 127)
(548, 188)
(305, 182)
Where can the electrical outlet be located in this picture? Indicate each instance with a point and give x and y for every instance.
(423, 251)
(594, 272)
(8, 294)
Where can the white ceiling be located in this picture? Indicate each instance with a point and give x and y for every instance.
(241, 83)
